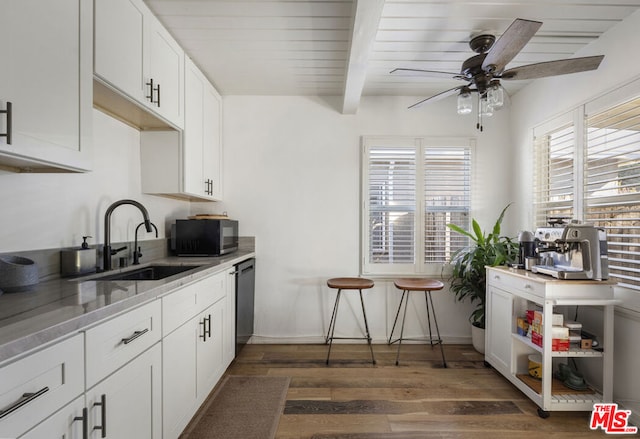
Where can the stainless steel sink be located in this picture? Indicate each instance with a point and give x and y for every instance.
(150, 272)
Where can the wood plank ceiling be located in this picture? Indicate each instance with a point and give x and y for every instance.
(348, 47)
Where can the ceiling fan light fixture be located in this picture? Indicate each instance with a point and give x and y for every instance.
(465, 104)
(486, 109)
(495, 95)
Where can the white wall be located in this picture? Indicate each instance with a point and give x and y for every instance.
(292, 179)
(42, 211)
(547, 98)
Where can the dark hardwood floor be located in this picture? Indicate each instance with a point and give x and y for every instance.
(353, 399)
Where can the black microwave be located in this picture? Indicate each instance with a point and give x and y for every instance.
(205, 237)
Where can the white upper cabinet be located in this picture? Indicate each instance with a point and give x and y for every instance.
(202, 151)
(164, 75)
(188, 164)
(118, 47)
(135, 55)
(46, 80)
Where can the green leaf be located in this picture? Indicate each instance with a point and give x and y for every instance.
(478, 231)
(461, 231)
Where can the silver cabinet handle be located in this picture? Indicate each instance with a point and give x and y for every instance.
(103, 415)
(8, 111)
(24, 400)
(85, 422)
(134, 336)
(206, 327)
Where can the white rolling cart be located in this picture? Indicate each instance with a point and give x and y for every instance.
(510, 292)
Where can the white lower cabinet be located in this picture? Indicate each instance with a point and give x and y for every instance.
(498, 335)
(127, 404)
(36, 386)
(140, 375)
(193, 360)
(70, 422)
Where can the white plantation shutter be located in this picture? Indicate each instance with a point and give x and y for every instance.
(554, 180)
(447, 189)
(612, 186)
(411, 190)
(392, 202)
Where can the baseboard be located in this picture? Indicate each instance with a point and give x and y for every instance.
(261, 339)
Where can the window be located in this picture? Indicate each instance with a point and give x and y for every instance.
(411, 189)
(603, 186)
(612, 186)
(554, 177)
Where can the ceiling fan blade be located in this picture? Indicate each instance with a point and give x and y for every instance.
(437, 97)
(429, 73)
(554, 68)
(509, 44)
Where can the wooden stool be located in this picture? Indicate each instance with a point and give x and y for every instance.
(348, 283)
(426, 285)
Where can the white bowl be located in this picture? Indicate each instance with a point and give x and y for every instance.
(17, 273)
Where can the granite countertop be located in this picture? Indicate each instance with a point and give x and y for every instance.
(62, 306)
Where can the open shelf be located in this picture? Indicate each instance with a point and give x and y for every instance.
(572, 352)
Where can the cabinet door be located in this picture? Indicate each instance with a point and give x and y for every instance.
(194, 85)
(46, 75)
(65, 424)
(165, 67)
(128, 403)
(179, 378)
(499, 328)
(210, 348)
(212, 141)
(118, 36)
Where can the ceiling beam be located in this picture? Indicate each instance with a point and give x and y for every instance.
(366, 18)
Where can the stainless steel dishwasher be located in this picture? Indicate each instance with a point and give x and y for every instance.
(245, 294)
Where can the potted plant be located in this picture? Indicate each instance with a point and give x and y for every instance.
(468, 279)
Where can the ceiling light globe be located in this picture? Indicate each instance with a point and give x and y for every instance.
(495, 95)
(465, 104)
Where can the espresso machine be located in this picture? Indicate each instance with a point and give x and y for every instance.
(572, 251)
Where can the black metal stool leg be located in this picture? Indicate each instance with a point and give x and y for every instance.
(426, 299)
(404, 317)
(366, 326)
(333, 317)
(435, 320)
(332, 325)
(393, 328)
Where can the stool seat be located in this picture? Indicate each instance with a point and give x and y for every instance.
(350, 283)
(418, 284)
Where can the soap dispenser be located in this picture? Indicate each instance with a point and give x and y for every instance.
(78, 261)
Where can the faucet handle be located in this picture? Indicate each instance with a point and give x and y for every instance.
(117, 250)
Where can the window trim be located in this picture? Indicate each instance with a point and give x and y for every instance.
(419, 267)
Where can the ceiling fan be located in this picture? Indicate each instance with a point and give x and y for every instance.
(484, 71)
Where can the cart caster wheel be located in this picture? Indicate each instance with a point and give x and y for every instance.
(543, 413)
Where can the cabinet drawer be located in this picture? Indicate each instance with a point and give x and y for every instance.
(115, 342)
(185, 303)
(513, 283)
(34, 387)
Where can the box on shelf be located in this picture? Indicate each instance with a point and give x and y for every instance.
(557, 344)
(523, 326)
(538, 317)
